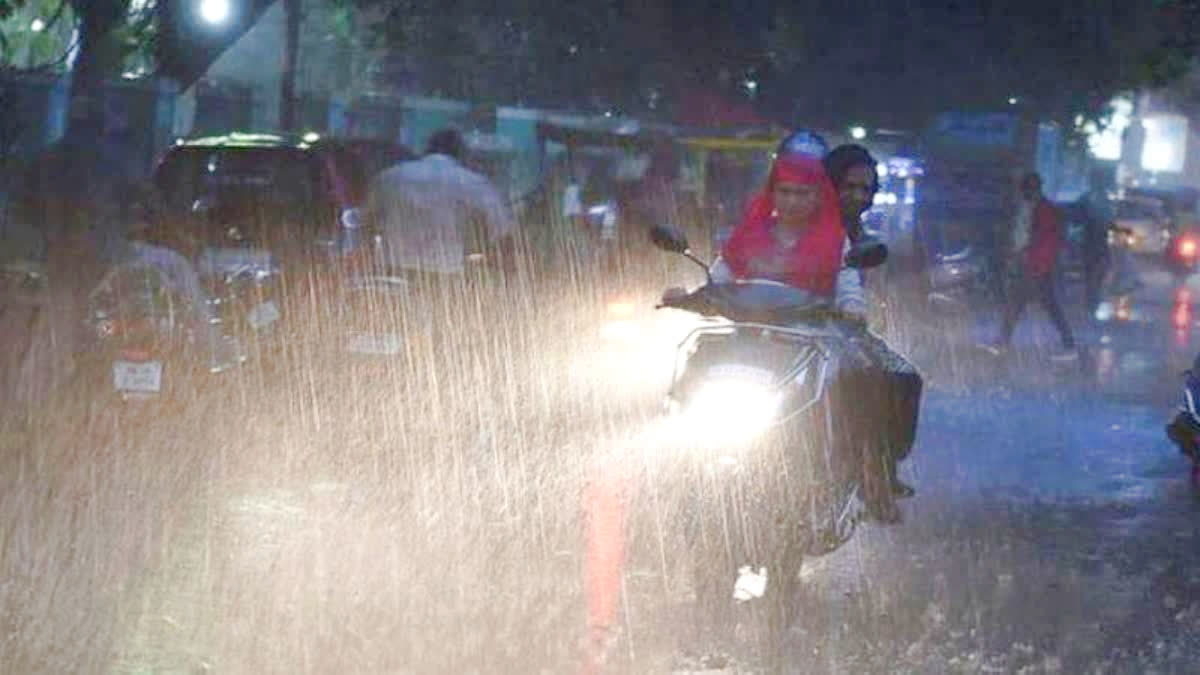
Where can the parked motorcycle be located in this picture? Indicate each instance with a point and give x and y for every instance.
(1184, 427)
(243, 291)
(769, 478)
(148, 332)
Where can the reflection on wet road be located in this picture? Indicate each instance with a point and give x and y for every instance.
(1054, 528)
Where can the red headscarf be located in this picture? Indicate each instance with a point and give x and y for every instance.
(813, 262)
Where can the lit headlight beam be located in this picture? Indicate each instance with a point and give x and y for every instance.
(732, 409)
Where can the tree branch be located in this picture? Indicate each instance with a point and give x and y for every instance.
(58, 13)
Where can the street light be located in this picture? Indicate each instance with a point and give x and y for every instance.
(858, 133)
(215, 12)
(37, 26)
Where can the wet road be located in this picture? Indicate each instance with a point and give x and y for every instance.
(1054, 529)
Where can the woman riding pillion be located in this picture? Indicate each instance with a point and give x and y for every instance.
(793, 233)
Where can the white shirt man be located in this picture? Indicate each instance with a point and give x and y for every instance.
(433, 212)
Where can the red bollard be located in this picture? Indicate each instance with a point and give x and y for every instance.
(604, 563)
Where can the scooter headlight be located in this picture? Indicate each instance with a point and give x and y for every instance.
(733, 409)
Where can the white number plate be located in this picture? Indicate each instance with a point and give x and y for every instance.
(137, 376)
(264, 314)
(370, 343)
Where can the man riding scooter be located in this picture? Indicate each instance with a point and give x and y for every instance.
(853, 172)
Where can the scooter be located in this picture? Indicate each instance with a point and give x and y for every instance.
(146, 332)
(767, 476)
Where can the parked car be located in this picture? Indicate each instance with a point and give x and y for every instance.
(252, 200)
(260, 191)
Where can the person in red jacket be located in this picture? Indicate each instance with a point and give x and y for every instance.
(1036, 238)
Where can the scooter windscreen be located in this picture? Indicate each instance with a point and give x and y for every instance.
(755, 301)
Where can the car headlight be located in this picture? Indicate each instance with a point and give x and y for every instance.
(732, 409)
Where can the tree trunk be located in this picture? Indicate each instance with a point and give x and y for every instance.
(97, 20)
(287, 89)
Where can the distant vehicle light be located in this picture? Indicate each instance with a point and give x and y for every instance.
(1187, 247)
(1182, 317)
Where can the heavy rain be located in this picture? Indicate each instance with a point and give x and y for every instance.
(599, 337)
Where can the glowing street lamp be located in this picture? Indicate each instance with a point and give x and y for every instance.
(37, 26)
(858, 133)
(215, 12)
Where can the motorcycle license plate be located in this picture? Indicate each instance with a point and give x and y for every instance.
(378, 345)
(138, 376)
(263, 314)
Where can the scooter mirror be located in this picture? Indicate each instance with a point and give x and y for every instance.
(866, 253)
(669, 238)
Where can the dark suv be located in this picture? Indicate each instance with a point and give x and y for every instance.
(271, 192)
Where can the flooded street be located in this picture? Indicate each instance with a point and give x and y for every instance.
(1052, 529)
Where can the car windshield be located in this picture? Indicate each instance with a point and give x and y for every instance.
(243, 186)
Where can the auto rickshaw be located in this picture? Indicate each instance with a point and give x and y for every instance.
(720, 173)
(598, 188)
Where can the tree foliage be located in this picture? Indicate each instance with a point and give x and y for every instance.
(893, 62)
(1057, 59)
(23, 48)
(886, 63)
